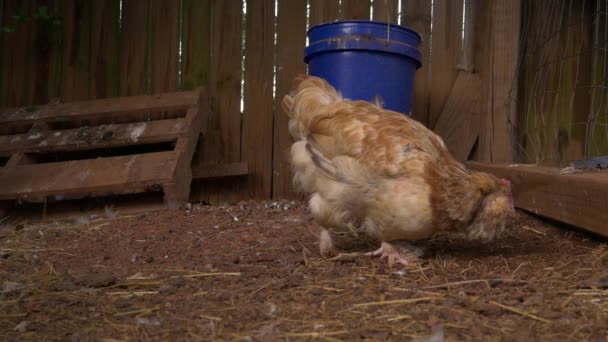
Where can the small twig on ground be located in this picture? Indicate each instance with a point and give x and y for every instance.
(534, 230)
(517, 311)
(258, 289)
(397, 301)
(138, 312)
(199, 275)
(131, 293)
(315, 334)
(465, 282)
(213, 318)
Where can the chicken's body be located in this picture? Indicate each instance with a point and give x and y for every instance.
(382, 173)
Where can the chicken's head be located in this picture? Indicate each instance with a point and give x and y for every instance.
(508, 190)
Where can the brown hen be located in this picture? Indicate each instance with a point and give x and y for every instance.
(378, 172)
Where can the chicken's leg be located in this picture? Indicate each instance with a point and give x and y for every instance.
(405, 256)
(326, 244)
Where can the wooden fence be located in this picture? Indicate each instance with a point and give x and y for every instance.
(563, 114)
(250, 51)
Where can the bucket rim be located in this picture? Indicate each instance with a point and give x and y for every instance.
(355, 44)
(370, 22)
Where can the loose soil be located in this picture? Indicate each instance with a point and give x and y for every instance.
(252, 272)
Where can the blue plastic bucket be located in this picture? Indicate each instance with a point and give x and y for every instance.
(365, 60)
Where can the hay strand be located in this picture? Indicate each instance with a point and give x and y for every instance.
(519, 312)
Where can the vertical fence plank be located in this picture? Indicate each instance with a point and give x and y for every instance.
(105, 41)
(526, 81)
(505, 37)
(323, 11)
(15, 69)
(597, 123)
(196, 38)
(224, 139)
(55, 80)
(196, 54)
(164, 14)
(355, 9)
(539, 73)
(134, 47)
(499, 37)
(2, 22)
(446, 52)
(483, 59)
(386, 10)
(291, 34)
(258, 111)
(76, 57)
(470, 35)
(416, 14)
(40, 46)
(226, 80)
(574, 61)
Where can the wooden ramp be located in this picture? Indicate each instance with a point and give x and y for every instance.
(101, 147)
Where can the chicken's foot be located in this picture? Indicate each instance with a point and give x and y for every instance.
(406, 256)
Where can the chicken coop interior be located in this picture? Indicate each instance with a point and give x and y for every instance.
(144, 105)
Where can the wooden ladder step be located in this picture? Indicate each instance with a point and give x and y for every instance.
(92, 137)
(99, 108)
(127, 174)
(99, 147)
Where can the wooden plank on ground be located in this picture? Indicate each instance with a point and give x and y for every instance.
(458, 123)
(577, 199)
(497, 58)
(323, 11)
(354, 9)
(76, 59)
(105, 43)
(164, 45)
(291, 34)
(220, 170)
(416, 14)
(92, 175)
(258, 110)
(14, 67)
(134, 48)
(386, 10)
(99, 108)
(93, 137)
(446, 53)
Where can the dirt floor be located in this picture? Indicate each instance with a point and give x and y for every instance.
(252, 272)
